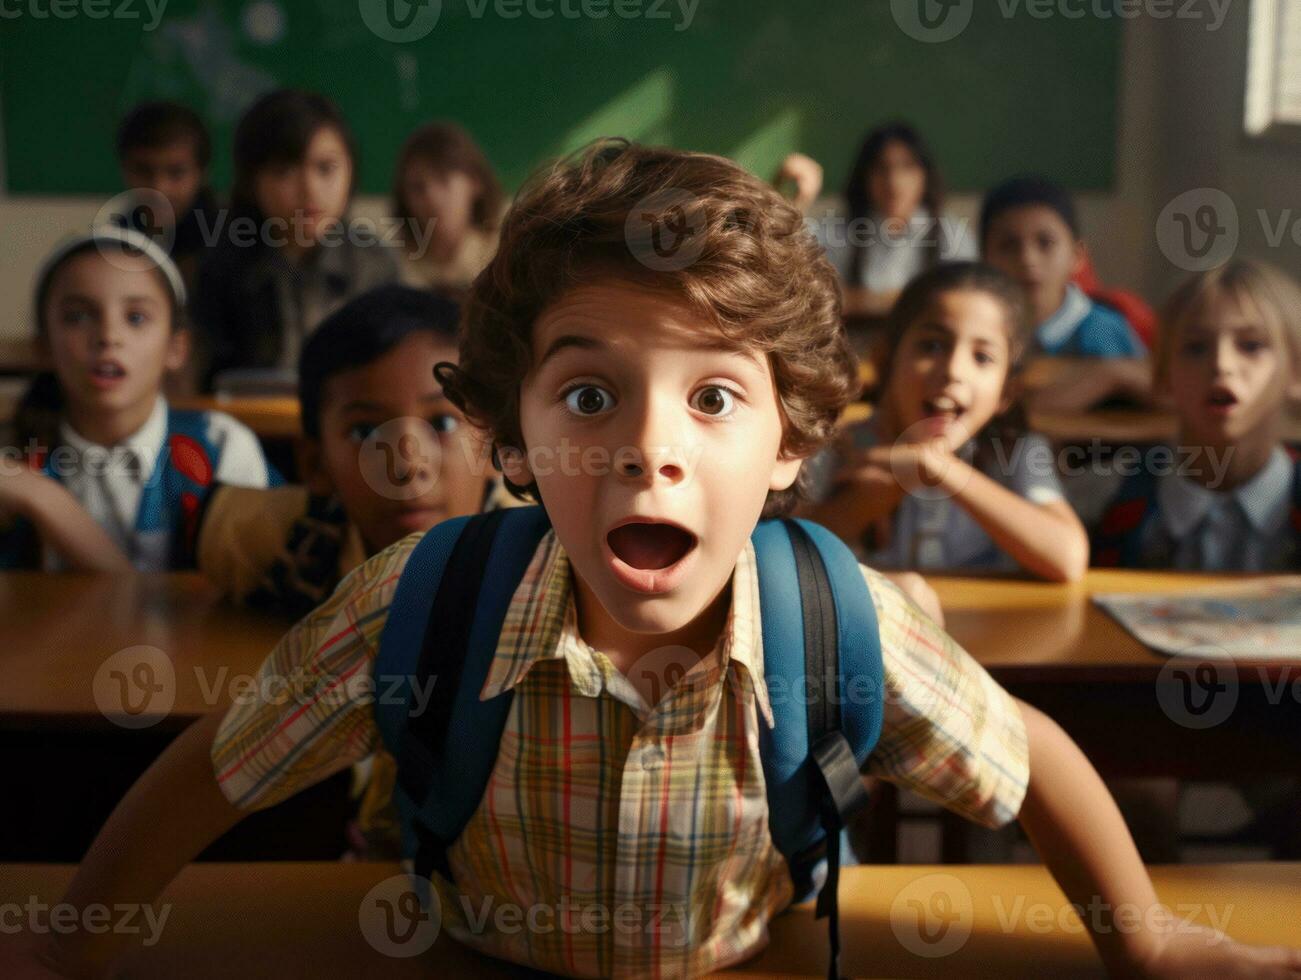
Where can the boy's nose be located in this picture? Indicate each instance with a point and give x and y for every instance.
(654, 449)
(656, 463)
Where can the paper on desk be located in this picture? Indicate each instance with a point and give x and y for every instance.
(1259, 619)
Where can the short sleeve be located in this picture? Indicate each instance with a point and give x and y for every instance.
(1032, 472)
(1105, 333)
(950, 732)
(310, 712)
(242, 463)
(243, 531)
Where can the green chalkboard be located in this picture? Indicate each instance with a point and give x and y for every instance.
(752, 79)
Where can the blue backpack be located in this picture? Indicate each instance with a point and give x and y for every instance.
(818, 622)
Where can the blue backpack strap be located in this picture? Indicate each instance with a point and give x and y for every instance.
(820, 636)
(435, 653)
(1118, 540)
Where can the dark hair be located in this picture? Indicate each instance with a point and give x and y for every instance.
(758, 275)
(1024, 191)
(36, 417)
(859, 202)
(152, 125)
(447, 147)
(360, 332)
(948, 277)
(276, 130)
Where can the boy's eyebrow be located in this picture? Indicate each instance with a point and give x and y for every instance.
(568, 341)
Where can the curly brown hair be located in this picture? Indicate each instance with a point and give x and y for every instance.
(750, 266)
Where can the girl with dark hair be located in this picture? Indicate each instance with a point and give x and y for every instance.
(288, 256)
(894, 226)
(449, 200)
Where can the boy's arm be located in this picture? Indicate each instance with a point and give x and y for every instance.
(1091, 381)
(1079, 833)
(144, 845)
(60, 521)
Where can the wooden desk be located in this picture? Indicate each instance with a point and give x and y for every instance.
(269, 418)
(303, 920)
(1052, 646)
(20, 357)
(61, 630)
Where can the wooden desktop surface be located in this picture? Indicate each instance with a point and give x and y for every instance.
(279, 920)
(63, 630)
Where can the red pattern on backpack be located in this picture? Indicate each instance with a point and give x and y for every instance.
(190, 460)
(1123, 517)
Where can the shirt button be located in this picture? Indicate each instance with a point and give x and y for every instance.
(652, 758)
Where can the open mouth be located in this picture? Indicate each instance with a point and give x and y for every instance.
(1221, 400)
(108, 369)
(942, 407)
(649, 556)
(650, 546)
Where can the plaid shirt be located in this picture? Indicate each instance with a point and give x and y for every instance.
(634, 838)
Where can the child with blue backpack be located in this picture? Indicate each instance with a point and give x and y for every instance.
(1229, 357)
(109, 312)
(654, 696)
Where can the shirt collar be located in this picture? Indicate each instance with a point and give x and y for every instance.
(1057, 329)
(541, 624)
(144, 444)
(1265, 499)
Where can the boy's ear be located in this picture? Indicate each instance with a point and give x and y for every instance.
(514, 465)
(785, 472)
(178, 350)
(310, 458)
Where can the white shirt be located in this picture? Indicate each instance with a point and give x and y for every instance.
(1245, 529)
(109, 480)
(892, 260)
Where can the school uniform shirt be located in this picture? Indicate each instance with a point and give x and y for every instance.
(109, 481)
(1083, 328)
(933, 532)
(597, 799)
(255, 307)
(456, 275)
(892, 261)
(1246, 529)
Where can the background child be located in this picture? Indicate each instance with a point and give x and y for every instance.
(1029, 230)
(894, 226)
(944, 475)
(449, 200)
(1229, 357)
(108, 311)
(287, 257)
(164, 147)
(368, 368)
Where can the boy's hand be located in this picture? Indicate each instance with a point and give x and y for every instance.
(18, 485)
(1195, 951)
